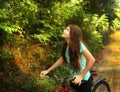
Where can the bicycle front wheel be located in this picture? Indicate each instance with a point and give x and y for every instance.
(102, 86)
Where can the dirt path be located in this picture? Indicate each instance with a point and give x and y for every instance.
(109, 65)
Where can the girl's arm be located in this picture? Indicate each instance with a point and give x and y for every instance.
(90, 62)
(55, 65)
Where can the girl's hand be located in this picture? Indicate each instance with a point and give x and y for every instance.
(43, 73)
(77, 80)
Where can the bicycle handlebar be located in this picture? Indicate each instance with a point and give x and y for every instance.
(59, 79)
(62, 80)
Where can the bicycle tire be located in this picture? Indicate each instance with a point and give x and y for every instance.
(101, 83)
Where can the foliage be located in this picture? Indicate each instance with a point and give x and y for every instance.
(116, 21)
(30, 82)
(101, 7)
(116, 37)
(12, 77)
(94, 28)
(116, 24)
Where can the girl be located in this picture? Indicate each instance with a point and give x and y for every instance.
(78, 58)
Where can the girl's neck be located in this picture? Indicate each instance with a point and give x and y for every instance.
(68, 41)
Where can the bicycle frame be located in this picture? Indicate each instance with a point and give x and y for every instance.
(63, 81)
(65, 88)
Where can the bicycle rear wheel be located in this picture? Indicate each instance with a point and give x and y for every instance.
(102, 86)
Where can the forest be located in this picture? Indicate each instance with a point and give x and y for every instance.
(30, 37)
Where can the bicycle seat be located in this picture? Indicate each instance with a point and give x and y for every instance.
(93, 73)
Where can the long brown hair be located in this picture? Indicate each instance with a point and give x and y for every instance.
(74, 47)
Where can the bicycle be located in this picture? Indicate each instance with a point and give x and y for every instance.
(99, 85)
